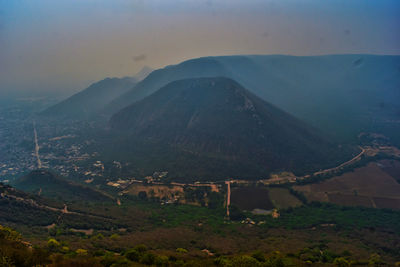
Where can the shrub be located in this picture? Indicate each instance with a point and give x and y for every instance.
(114, 236)
(148, 259)
(52, 243)
(81, 251)
(375, 260)
(161, 261)
(235, 213)
(132, 255)
(341, 262)
(245, 261)
(259, 256)
(140, 248)
(181, 250)
(5, 261)
(9, 234)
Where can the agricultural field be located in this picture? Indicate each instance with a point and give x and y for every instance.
(391, 167)
(375, 185)
(265, 198)
(250, 198)
(282, 198)
(159, 191)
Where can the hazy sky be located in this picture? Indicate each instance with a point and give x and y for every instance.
(64, 45)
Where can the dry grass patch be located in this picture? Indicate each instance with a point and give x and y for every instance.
(282, 198)
(369, 186)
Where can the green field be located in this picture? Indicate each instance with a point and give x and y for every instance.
(282, 198)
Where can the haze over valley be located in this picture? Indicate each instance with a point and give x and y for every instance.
(191, 133)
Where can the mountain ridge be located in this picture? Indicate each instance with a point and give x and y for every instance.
(90, 101)
(347, 91)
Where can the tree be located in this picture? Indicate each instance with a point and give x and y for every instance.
(215, 200)
(53, 244)
(258, 255)
(132, 255)
(375, 260)
(142, 195)
(235, 213)
(245, 261)
(148, 259)
(5, 261)
(341, 262)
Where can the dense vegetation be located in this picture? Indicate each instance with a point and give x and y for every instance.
(15, 252)
(48, 184)
(138, 216)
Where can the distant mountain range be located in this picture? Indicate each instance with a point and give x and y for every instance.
(341, 95)
(155, 126)
(92, 100)
(214, 128)
(143, 73)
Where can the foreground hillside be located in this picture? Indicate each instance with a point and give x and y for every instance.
(146, 227)
(47, 184)
(33, 213)
(217, 129)
(140, 233)
(342, 95)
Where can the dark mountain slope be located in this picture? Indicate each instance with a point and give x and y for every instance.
(214, 128)
(53, 186)
(196, 68)
(342, 95)
(91, 100)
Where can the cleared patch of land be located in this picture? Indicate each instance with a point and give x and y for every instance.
(369, 186)
(282, 198)
(391, 167)
(159, 191)
(249, 198)
(265, 198)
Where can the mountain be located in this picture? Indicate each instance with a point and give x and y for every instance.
(197, 68)
(91, 100)
(341, 95)
(143, 73)
(47, 184)
(213, 128)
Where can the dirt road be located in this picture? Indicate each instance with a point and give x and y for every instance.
(37, 148)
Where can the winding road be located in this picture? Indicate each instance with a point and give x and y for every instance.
(343, 164)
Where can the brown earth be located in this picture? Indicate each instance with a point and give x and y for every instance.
(369, 186)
